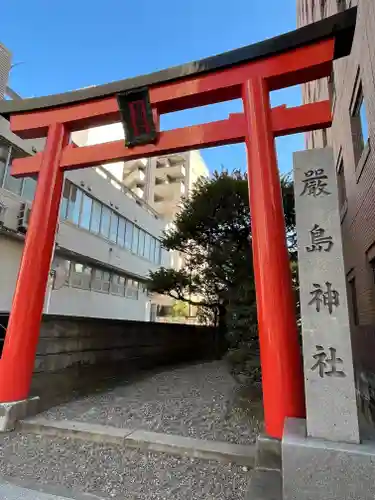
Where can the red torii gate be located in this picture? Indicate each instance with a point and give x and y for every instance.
(249, 73)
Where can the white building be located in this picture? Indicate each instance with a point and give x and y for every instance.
(106, 243)
(160, 181)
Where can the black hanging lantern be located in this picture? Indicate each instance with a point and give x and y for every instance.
(137, 117)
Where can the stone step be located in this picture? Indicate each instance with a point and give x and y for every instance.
(144, 440)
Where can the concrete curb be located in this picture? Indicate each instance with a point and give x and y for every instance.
(144, 440)
(17, 489)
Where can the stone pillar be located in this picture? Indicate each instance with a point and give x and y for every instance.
(331, 405)
(322, 458)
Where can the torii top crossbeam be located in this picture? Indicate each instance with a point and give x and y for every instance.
(249, 73)
(290, 59)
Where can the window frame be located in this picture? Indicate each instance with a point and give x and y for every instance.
(360, 144)
(353, 298)
(114, 216)
(100, 205)
(73, 274)
(85, 195)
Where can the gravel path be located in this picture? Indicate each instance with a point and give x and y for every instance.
(196, 401)
(118, 473)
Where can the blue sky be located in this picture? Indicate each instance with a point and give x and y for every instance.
(64, 45)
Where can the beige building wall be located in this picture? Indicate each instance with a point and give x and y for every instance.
(5, 65)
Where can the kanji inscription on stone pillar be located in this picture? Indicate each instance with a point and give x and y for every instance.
(328, 361)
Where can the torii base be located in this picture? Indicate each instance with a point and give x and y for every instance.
(11, 413)
(317, 469)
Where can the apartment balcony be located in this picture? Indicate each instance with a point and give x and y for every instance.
(169, 190)
(134, 178)
(138, 191)
(140, 163)
(166, 209)
(177, 171)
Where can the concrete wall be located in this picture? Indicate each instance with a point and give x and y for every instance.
(72, 341)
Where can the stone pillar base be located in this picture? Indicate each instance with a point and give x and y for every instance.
(268, 453)
(316, 469)
(11, 413)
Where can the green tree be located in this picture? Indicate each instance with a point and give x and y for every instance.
(180, 309)
(213, 233)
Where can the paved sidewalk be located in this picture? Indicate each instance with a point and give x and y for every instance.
(12, 491)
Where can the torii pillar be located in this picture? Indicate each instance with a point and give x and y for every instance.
(250, 73)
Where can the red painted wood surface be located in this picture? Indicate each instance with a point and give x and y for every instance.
(258, 125)
(18, 356)
(282, 375)
(231, 131)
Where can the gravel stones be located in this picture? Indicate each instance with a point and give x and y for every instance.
(118, 473)
(194, 401)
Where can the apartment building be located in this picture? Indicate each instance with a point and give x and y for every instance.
(107, 240)
(161, 181)
(351, 90)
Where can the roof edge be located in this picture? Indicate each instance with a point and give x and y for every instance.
(340, 26)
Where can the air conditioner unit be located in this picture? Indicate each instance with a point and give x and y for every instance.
(23, 218)
(3, 209)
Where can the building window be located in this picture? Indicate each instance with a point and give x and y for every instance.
(129, 227)
(90, 214)
(157, 258)
(114, 228)
(65, 200)
(359, 125)
(118, 285)
(372, 265)
(105, 222)
(341, 5)
(4, 160)
(332, 88)
(135, 239)
(353, 300)
(121, 232)
(341, 184)
(83, 276)
(101, 280)
(74, 204)
(11, 183)
(80, 276)
(132, 289)
(85, 217)
(29, 186)
(147, 246)
(95, 217)
(141, 243)
(324, 138)
(323, 8)
(152, 249)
